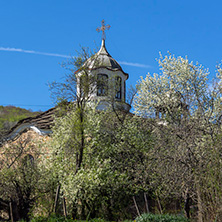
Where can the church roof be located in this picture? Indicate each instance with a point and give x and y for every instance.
(102, 59)
(41, 123)
(43, 120)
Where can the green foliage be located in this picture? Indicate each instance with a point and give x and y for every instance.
(160, 218)
(54, 218)
(142, 218)
(187, 126)
(114, 165)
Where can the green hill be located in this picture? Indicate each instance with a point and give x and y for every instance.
(10, 115)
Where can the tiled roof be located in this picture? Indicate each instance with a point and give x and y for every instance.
(42, 123)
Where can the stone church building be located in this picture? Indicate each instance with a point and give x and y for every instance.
(110, 85)
(27, 140)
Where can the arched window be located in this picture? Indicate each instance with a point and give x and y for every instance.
(118, 87)
(102, 85)
(28, 160)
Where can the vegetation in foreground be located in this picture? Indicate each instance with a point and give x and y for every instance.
(160, 218)
(142, 218)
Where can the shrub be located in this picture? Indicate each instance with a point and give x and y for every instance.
(54, 218)
(160, 218)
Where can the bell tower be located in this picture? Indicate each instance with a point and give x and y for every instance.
(109, 88)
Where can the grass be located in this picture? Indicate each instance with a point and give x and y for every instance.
(160, 218)
(142, 218)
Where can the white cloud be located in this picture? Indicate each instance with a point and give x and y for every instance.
(66, 56)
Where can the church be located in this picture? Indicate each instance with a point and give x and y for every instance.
(27, 140)
(108, 89)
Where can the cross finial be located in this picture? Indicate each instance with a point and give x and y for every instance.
(103, 28)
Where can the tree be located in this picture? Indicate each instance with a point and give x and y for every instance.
(75, 94)
(187, 112)
(24, 178)
(115, 162)
(96, 155)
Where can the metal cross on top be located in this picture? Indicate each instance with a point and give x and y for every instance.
(103, 28)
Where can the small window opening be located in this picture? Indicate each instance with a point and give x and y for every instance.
(118, 88)
(28, 160)
(102, 85)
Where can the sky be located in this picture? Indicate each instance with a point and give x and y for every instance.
(38, 36)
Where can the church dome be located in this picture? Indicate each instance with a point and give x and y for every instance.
(102, 59)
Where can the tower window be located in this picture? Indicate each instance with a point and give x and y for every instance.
(102, 85)
(118, 87)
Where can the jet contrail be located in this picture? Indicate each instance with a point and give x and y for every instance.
(8, 49)
(135, 64)
(33, 52)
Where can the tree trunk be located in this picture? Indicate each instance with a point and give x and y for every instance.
(82, 143)
(199, 205)
(187, 204)
(64, 207)
(56, 198)
(11, 212)
(14, 212)
(146, 203)
(137, 209)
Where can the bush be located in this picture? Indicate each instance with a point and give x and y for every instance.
(160, 218)
(54, 218)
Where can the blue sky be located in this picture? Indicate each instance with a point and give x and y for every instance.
(140, 29)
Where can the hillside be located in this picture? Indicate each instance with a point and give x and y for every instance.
(10, 115)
